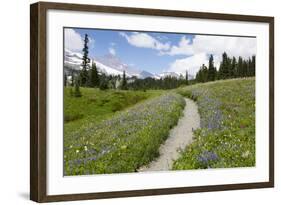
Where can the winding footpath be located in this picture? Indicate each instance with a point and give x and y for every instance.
(179, 137)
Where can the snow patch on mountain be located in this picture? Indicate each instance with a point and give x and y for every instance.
(113, 61)
(108, 70)
(171, 74)
(111, 65)
(73, 60)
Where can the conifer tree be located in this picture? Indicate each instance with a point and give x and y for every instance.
(186, 77)
(253, 66)
(202, 75)
(124, 81)
(94, 76)
(240, 67)
(233, 66)
(85, 62)
(212, 69)
(103, 85)
(245, 68)
(224, 67)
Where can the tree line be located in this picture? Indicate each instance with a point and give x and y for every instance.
(90, 77)
(229, 68)
(167, 82)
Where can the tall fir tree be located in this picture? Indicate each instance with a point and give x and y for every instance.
(94, 80)
(224, 67)
(211, 69)
(245, 67)
(202, 74)
(103, 85)
(124, 81)
(85, 62)
(253, 66)
(186, 78)
(240, 67)
(233, 68)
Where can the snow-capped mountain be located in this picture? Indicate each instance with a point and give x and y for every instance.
(144, 74)
(167, 73)
(108, 64)
(113, 61)
(74, 60)
(174, 74)
(111, 65)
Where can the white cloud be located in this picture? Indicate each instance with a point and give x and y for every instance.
(144, 40)
(233, 46)
(204, 45)
(216, 45)
(183, 48)
(74, 41)
(191, 64)
(112, 51)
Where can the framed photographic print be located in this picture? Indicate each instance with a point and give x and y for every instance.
(133, 102)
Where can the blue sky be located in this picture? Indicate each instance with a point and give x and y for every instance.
(157, 52)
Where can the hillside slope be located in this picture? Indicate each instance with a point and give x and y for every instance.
(227, 134)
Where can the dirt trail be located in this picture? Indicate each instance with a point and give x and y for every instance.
(180, 136)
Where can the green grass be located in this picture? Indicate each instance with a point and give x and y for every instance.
(96, 105)
(124, 142)
(227, 134)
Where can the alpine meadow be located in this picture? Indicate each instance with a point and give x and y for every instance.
(155, 101)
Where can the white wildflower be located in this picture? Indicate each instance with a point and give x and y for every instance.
(246, 154)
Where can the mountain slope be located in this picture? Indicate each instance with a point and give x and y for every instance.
(113, 61)
(111, 65)
(107, 64)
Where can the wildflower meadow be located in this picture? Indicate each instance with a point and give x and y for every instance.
(226, 137)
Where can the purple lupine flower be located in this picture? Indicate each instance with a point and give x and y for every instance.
(206, 158)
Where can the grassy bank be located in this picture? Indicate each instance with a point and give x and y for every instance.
(96, 105)
(227, 134)
(124, 141)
